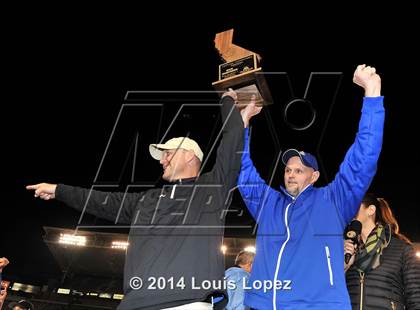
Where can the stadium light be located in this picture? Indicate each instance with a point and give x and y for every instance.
(64, 291)
(27, 288)
(105, 295)
(122, 245)
(250, 249)
(72, 239)
(118, 296)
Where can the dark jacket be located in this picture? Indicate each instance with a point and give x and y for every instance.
(395, 283)
(176, 231)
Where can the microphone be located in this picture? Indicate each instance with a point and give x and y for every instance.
(352, 233)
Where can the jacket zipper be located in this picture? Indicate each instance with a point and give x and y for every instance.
(280, 255)
(362, 283)
(173, 191)
(327, 252)
(283, 246)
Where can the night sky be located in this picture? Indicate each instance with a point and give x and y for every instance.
(68, 74)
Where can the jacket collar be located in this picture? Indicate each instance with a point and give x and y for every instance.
(306, 191)
(184, 181)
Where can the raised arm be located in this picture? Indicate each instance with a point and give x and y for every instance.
(228, 160)
(251, 186)
(359, 166)
(116, 207)
(3, 263)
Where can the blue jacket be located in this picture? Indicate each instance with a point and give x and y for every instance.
(238, 277)
(299, 239)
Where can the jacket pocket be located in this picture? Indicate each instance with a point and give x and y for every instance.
(330, 272)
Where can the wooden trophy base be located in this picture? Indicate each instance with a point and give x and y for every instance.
(246, 84)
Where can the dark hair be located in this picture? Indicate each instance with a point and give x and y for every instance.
(22, 304)
(244, 257)
(383, 214)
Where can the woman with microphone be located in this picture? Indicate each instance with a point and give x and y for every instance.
(383, 272)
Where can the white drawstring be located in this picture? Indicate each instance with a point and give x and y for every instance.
(173, 192)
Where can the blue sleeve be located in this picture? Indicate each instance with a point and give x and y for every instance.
(237, 295)
(359, 166)
(252, 187)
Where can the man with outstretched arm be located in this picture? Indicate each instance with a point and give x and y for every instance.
(183, 250)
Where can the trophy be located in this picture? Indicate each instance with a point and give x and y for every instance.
(240, 71)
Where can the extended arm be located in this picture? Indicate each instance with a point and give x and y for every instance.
(116, 207)
(359, 166)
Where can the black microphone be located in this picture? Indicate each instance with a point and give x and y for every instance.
(352, 233)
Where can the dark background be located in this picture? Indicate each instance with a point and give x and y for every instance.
(69, 69)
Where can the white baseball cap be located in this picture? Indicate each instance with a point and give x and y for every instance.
(156, 150)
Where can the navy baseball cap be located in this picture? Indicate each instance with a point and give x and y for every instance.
(307, 159)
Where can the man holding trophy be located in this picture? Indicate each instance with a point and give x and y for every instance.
(299, 255)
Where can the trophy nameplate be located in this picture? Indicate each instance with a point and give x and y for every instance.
(237, 67)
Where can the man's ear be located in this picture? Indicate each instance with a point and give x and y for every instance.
(189, 156)
(315, 176)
